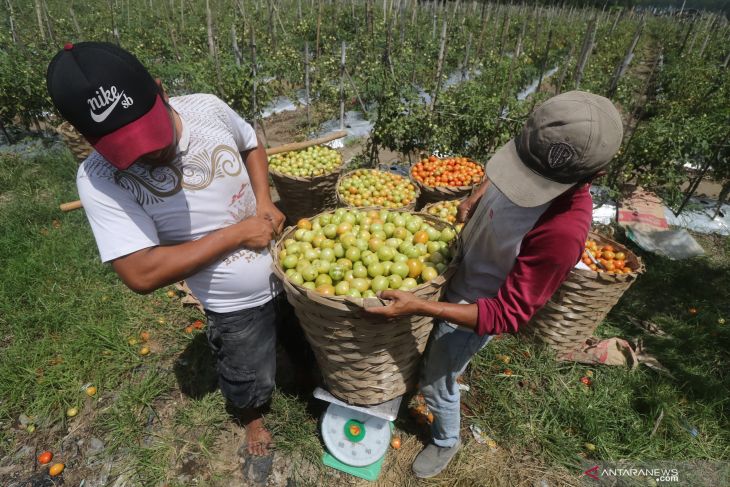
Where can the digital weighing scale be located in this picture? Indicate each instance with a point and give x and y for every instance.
(356, 437)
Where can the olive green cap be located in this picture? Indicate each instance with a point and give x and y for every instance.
(566, 140)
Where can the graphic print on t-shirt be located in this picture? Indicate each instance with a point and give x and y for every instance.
(151, 184)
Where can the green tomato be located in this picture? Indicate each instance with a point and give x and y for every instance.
(432, 246)
(447, 234)
(360, 270)
(309, 274)
(400, 257)
(428, 273)
(368, 294)
(386, 253)
(389, 228)
(433, 234)
(395, 281)
(339, 250)
(379, 283)
(303, 264)
(311, 254)
(375, 269)
(296, 278)
(327, 255)
(322, 279)
(353, 253)
(360, 284)
(370, 259)
(413, 225)
(353, 293)
(330, 231)
(408, 284)
(345, 263)
(374, 244)
(290, 261)
(310, 285)
(386, 267)
(322, 266)
(342, 288)
(337, 273)
(399, 269)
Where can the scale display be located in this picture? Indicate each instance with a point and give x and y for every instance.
(353, 437)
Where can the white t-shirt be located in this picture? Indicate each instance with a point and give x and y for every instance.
(491, 243)
(204, 189)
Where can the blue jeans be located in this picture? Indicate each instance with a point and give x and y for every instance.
(449, 352)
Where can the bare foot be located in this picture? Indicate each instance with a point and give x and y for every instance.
(258, 438)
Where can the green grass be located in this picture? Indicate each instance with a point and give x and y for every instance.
(65, 320)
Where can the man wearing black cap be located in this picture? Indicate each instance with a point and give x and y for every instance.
(178, 189)
(526, 228)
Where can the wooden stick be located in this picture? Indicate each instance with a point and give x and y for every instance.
(75, 205)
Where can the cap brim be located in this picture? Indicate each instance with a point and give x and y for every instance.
(523, 186)
(149, 133)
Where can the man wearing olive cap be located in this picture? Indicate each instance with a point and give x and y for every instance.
(526, 228)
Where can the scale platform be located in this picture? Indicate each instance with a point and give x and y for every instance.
(387, 410)
(356, 437)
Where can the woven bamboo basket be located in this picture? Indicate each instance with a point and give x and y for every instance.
(582, 302)
(427, 207)
(302, 197)
(434, 194)
(76, 143)
(409, 207)
(363, 361)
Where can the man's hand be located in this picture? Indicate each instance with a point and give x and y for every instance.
(256, 232)
(466, 208)
(269, 211)
(401, 304)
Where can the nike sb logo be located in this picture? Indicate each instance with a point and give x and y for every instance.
(106, 100)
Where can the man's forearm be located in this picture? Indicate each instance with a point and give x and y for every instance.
(257, 166)
(152, 268)
(459, 314)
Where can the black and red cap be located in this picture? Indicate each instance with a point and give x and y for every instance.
(111, 99)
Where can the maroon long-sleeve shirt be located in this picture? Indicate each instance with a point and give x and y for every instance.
(547, 254)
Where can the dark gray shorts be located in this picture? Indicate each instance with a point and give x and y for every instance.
(244, 345)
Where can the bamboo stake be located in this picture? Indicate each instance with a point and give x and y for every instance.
(440, 65)
(543, 66)
(75, 23)
(588, 44)
(319, 23)
(306, 82)
(564, 70)
(622, 66)
(39, 18)
(11, 16)
(234, 45)
(342, 87)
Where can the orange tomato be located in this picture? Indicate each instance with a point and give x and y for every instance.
(607, 248)
(395, 442)
(619, 264)
(620, 256)
(45, 457)
(144, 336)
(420, 237)
(56, 469)
(608, 255)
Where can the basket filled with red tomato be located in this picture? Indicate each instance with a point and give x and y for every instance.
(584, 299)
(447, 178)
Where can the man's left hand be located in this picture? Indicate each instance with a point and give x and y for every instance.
(269, 211)
(401, 304)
